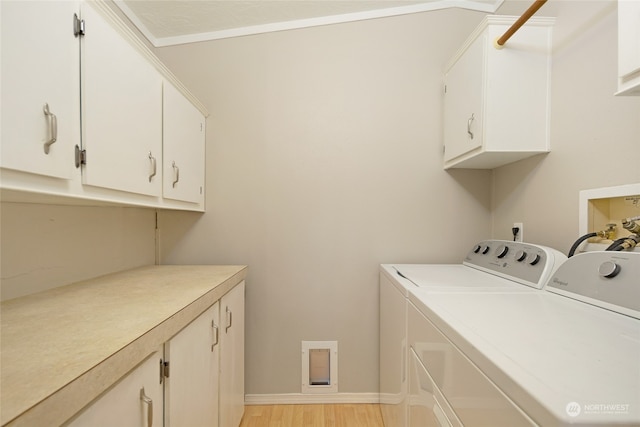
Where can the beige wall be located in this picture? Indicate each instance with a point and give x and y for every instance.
(44, 246)
(595, 136)
(324, 159)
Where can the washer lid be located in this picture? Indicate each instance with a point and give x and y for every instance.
(448, 278)
(460, 277)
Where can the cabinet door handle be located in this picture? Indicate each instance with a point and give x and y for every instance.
(216, 334)
(469, 125)
(153, 166)
(229, 319)
(52, 121)
(146, 399)
(176, 174)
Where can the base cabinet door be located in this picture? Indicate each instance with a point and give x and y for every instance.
(232, 357)
(191, 388)
(134, 401)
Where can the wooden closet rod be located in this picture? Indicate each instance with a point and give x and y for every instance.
(519, 23)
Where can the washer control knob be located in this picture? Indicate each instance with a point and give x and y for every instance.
(521, 256)
(502, 250)
(534, 259)
(476, 249)
(485, 250)
(609, 269)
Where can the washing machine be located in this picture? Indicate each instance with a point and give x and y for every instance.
(491, 266)
(566, 355)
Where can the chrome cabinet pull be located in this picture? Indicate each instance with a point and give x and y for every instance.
(153, 166)
(216, 334)
(146, 399)
(229, 319)
(52, 121)
(469, 125)
(176, 173)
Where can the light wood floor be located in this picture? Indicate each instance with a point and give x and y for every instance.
(317, 415)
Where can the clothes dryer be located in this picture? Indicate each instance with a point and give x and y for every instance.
(490, 266)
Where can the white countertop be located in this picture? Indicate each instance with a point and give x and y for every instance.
(62, 348)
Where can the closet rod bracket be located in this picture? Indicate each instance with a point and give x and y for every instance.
(499, 42)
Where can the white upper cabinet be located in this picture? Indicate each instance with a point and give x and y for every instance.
(121, 111)
(628, 47)
(39, 73)
(82, 112)
(184, 147)
(496, 101)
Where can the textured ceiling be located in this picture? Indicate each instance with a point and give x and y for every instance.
(167, 22)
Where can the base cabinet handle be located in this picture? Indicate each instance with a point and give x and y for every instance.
(229, 319)
(149, 402)
(216, 335)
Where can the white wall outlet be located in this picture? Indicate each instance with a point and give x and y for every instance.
(520, 236)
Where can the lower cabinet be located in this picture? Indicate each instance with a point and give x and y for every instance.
(194, 379)
(191, 382)
(232, 357)
(134, 401)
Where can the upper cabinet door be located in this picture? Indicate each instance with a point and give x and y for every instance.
(463, 102)
(628, 47)
(39, 73)
(121, 111)
(184, 148)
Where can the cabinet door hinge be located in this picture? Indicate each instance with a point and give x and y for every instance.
(81, 157)
(78, 25)
(164, 370)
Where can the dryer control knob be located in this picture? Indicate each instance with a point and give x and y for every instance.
(485, 250)
(502, 250)
(476, 249)
(609, 269)
(521, 256)
(535, 259)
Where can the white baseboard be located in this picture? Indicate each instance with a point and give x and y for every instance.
(303, 399)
